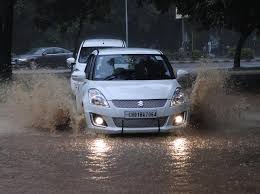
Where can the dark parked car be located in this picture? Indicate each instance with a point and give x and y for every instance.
(49, 57)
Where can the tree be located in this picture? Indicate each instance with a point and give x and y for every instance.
(6, 23)
(65, 14)
(71, 16)
(236, 15)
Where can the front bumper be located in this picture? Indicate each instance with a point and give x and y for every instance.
(116, 123)
(74, 86)
(20, 64)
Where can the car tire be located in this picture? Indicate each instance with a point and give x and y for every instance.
(33, 65)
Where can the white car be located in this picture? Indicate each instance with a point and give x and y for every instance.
(131, 90)
(87, 47)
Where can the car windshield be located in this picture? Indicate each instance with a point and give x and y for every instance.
(132, 67)
(86, 51)
(35, 51)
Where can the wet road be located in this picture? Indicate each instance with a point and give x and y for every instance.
(219, 158)
(224, 160)
(194, 67)
(190, 67)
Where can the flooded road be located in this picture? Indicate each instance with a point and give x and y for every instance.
(191, 162)
(216, 158)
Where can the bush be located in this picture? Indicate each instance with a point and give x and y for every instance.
(231, 52)
(180, 55)
(246, 53)
(169, 54)
(196, 54)
(177, 56)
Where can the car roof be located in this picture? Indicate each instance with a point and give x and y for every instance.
(40, 48)
(133, 51)
(103, 43)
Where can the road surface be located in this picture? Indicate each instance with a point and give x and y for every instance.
(195, 161)
(216, 158)
(191, 67)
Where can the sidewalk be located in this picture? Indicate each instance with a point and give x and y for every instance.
(215, 60)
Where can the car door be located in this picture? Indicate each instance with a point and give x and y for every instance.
(57, 58)
(61, 56)
(80, 92)
(47, 57)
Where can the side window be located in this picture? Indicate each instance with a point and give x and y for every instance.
(58, 51)
(65, 51)
(89, 65)
(49, 51)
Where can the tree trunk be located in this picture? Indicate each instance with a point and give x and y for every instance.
(77, 37)
(6, 23)
(241, 42)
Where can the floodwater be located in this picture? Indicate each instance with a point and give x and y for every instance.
(40, 162)
(216, 157)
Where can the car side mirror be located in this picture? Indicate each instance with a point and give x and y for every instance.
(181, 73)
(78, 76)
(70, 62)
(44, 54)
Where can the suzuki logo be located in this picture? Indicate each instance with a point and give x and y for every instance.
(140, 103)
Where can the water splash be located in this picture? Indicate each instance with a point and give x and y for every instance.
(215, 103)
(43, 101)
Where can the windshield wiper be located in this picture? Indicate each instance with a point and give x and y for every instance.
(115, 75)
(111, 77)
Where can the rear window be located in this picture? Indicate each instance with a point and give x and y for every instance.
(86, 51)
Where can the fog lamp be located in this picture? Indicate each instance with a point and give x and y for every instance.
(99, 121)
(178, 120)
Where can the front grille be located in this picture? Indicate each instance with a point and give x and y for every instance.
(136, 103)
(140, 123)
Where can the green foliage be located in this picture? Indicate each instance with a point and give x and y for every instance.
(67, 13)
(196, 54)
(20, 7)
(246, 53)
(169, 54)
(178, 55)
(231, 52)
(236, 15)
(70, 17)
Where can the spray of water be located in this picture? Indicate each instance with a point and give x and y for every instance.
(45, 102)
(213, 103)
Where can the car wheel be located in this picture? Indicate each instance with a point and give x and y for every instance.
(33, 64)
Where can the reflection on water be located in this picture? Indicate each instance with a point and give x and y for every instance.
(103, 157)
(179, 144)
(99, 148)
(98, 161)
(95, 156)
(179, 147)
(180, 152)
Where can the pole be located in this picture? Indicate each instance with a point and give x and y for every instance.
(183, 32)
(192, 40)
(126, 22)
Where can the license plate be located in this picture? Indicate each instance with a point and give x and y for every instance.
(140, 114)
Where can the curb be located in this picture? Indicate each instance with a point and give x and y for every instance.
(215, 61)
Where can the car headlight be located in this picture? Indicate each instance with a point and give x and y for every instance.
(178, 97)
(97, 98)
(23, 59)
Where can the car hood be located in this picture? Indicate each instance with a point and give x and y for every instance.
(24, 56)
(135, 90)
